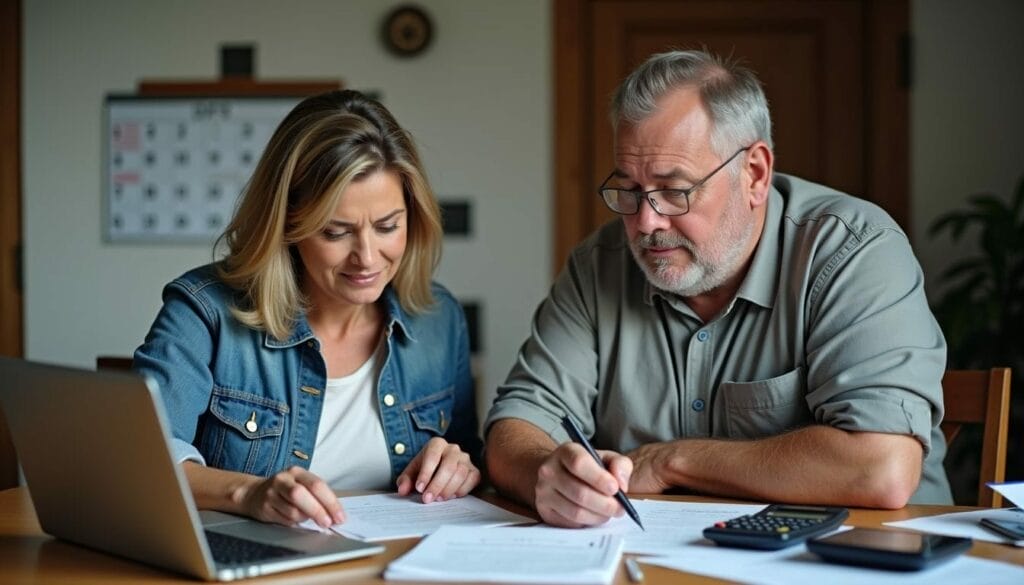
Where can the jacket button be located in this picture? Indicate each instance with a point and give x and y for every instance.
(389, 400)
(399, 448)
(300, 455)
(250, 425)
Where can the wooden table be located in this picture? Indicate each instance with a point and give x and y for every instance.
(27, 555)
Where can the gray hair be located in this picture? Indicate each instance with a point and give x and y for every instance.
(731, 93)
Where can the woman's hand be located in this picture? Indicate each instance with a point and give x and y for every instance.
(440, 471)
(292, 496)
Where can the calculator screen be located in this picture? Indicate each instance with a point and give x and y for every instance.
(798, 514)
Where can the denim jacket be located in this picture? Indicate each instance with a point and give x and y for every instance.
(241, 400)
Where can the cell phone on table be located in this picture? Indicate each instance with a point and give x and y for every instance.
(1014, 530)
(898, 550)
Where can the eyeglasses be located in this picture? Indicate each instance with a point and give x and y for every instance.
(663, 201)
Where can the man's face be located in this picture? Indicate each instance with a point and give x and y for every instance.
(697, 252)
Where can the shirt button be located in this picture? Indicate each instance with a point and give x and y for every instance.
(703, 336)
(697, 405)
(389, 400)
(399, 448)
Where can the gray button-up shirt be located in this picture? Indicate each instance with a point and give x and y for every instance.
(830, 326)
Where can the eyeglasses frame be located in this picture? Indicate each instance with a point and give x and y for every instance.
(637, 195)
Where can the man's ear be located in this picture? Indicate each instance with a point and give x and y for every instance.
(757, 177)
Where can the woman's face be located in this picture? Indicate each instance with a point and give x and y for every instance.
(360, 249)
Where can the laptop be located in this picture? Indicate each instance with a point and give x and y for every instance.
(95, 450)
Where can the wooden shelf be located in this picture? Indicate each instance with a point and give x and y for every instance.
(234, 86)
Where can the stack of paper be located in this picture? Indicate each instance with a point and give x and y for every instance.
(968, 524)
(511, 555)
(388, 516)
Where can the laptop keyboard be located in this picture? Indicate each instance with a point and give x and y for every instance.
(231, 550)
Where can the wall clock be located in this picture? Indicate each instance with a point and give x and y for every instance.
(407, 31)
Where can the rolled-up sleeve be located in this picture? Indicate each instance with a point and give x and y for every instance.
(176, 355)
(875, 354)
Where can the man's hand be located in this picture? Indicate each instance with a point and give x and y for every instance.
(292, 496)
(573, 490)
(440, 471)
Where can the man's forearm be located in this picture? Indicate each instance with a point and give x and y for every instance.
(813, 465)
(515, 450)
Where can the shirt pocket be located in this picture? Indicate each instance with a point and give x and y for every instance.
(762, 408)
(431, 415)
(243, 431)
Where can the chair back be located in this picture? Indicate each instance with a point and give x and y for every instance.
(980, 397)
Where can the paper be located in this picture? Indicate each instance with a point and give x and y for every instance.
(511, 554)
(388, 516)
(670, 526)
(964, 524)
(797, 565)
(1013, 491)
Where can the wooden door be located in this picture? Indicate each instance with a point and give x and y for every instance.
(831, 69)
(10, 210)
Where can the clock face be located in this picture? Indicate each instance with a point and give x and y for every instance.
(407, 31)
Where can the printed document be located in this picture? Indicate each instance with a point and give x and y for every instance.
(511, 555)
(388, 516)
(964, 524)
(1012, 491)
(670, 526)
(797, 565)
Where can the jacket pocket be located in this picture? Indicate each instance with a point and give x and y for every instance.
(765, 407)
(433, 413)
(243, 431)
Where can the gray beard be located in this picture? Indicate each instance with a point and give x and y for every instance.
(707, 270)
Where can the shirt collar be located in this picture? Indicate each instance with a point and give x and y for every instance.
(301, 332)
(762, 280)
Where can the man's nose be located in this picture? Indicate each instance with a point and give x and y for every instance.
(648, 219)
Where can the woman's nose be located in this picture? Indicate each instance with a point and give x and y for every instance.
(365, 250)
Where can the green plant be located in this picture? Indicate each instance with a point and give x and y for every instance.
(982, 309)
(981, 313)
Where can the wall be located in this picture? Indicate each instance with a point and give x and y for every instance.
(478, 103)
(966, 114)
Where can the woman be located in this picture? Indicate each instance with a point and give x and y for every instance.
(317, 354)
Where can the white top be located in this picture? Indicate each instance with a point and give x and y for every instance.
(350, 450)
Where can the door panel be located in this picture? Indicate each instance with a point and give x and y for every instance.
(10, 210)
(812, 57)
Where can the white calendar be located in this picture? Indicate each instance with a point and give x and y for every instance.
(176, 166)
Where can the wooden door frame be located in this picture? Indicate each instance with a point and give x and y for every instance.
(887, 99)
(11, 334)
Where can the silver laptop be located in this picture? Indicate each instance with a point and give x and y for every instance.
(94, 448)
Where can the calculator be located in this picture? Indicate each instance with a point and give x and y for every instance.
(776, 526)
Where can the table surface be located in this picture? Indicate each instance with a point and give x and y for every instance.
(27, 555)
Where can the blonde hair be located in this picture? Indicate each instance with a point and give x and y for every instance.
(324, 144)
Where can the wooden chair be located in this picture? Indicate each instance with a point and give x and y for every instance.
(110, 362)
(980, 397)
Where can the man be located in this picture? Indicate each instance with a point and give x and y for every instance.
(735, 333)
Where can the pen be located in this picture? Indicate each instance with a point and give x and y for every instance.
(576, 435)
(633, 570)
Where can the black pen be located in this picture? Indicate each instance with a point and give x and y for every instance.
(574, 433)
